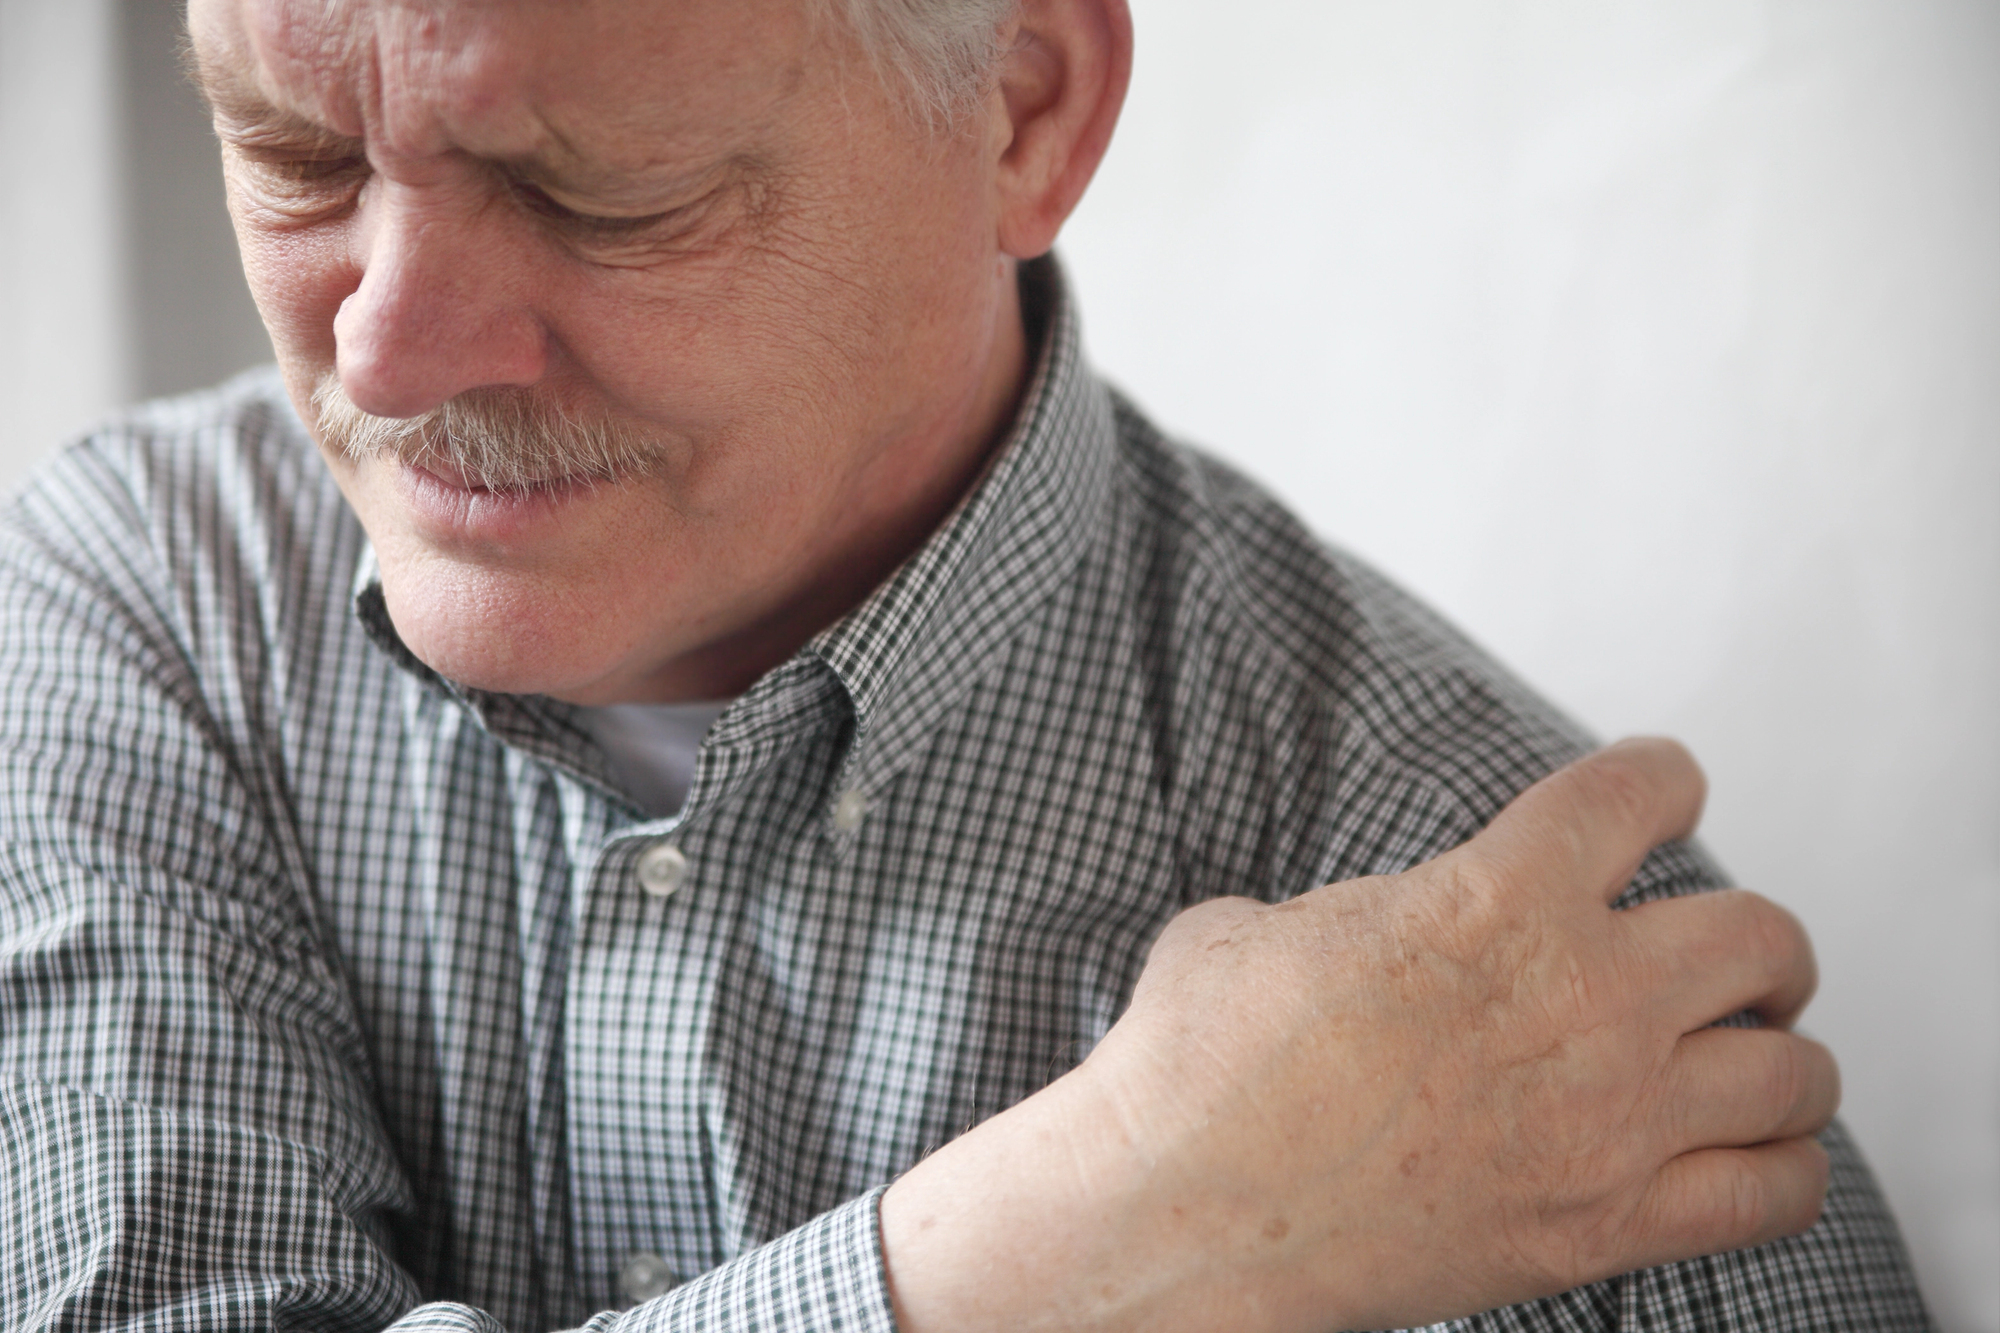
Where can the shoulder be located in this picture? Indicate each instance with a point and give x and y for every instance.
(1304, 682)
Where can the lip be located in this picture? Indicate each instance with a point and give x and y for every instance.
(452, 509)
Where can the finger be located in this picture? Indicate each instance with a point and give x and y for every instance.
(1736, 1087)
(1723, 952)
(1589, 825)
(1729, 1199)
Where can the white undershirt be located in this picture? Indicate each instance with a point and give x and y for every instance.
(651, 748)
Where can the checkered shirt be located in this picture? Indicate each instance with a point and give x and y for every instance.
(332, 994)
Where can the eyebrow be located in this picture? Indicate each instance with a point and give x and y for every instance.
(273, 127)
(244, 115)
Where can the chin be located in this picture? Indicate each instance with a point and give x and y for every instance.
(507, 640)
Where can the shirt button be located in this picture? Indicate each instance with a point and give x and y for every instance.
(850, 810)
(645, 1276)
(662, 869)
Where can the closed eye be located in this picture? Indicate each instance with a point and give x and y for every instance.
(306, 184)
(312, 170)
(592, 226)
(691, 227)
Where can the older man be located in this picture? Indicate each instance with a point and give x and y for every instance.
(742, 708)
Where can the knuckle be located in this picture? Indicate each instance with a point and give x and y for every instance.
(1819, 1080)
(1746, 1204)
(1648, 783)
(1780, 935)
(1787, 1079)
(1771, 926)
(1666, 757)
(1623, 784)
(1797, 1207)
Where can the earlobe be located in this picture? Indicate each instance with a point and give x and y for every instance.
(1061, 87)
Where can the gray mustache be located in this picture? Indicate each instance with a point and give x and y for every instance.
(499, 439)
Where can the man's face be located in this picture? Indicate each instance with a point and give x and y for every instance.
(700, 230)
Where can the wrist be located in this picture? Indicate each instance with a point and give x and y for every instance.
(1055, 1216)
(1016, 1224)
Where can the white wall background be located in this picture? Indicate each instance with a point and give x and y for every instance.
(64, 350)
(1657, 341)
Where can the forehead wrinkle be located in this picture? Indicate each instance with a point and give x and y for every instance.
(429, 84)
(382, 71)
(222, 67)
(415, 78)
(302, 61)
(242, 113)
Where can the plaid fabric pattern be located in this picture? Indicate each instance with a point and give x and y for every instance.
(330, 995)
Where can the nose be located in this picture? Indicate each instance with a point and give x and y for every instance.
(445, 304)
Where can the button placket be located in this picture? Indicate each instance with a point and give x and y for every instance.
(662, 869)
(849, 809)
(645, 1276)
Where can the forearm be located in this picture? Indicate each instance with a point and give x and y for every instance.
(975, 1243)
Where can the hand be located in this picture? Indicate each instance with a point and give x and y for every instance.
(1402, 1099)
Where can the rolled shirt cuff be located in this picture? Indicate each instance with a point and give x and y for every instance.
(826, 1276)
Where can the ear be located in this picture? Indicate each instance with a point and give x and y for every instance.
(1060, 88)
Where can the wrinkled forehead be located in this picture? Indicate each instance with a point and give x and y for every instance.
(505, 77)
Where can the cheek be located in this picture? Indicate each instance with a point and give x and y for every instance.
(759, 349)
(298, 278)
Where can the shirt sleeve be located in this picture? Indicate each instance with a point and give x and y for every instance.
(189, 1137)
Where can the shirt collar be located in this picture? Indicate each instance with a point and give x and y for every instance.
(908, 654)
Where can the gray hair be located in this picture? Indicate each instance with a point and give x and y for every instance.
(940, 51)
